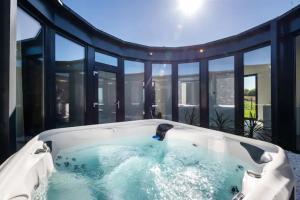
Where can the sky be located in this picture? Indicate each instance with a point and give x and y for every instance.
(27, 27)
(249, 82)
(165, 23)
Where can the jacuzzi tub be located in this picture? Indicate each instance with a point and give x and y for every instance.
(270, 176)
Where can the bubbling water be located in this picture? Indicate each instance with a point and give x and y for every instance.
(144, 169)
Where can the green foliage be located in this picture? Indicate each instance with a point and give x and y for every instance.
(248, 92)
(253, 126)
(158, 115)
(221, 121)
(252, 93)
(249, 109)
(191, 117)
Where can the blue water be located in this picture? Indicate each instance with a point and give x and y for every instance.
(142, 168)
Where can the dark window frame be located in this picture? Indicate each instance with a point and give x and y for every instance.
(235, 82)
(294, 98)
(144, 85)
(44, 65)
(53, 67)
(199, 77)
(174, 89)
(250, 49)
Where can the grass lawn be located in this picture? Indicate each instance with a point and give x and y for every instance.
(249, 107)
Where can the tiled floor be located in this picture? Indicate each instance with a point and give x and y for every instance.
(295, 162)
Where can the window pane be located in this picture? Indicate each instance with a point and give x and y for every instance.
(107, 97)
(106, 59)
(258, 63)
(134, 90)
(29, 78)
(221, 94)
(250, 97)
(298, 91)
(162, 91)
(69, 83)
(188, 93)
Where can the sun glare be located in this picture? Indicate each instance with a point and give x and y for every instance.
(189, 7)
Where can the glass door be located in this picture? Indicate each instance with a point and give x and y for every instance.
(107, 93)
(161, 91)
(107, 104)
(107, 97)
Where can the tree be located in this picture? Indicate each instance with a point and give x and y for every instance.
(246, 92)
(252, 92)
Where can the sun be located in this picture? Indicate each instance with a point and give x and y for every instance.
(189, 7)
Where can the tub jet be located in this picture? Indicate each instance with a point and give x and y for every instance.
(234, 190)
(161, 131)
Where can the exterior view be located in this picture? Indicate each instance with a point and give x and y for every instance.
(65, 84)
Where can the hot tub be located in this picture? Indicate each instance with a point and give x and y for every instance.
(145, 160)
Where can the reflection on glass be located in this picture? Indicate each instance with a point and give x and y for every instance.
(69, 82)
(29, 78)
(258, 63)
(221, 94)
(298, 92)
(134, 90)
(188, 93)
(106, 59)
(162, 91)
(107, 97)
(250, 96)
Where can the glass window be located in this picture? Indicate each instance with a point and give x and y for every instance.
(298, 92)
(107, 97)
(250, 96)
(162, 91)
(221, 94)
(69, 83)
(188, 93)
(257, 64)
(106, 59)
(134, 90)
(29, 78)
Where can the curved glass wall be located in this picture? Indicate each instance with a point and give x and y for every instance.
(29, 78)
(298, 93)
(107, 98)
(221, 94)
(257, 93)
(162, 91)
(134, 90)
(188, 93)
(69, 82)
